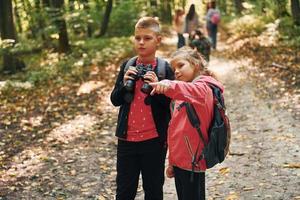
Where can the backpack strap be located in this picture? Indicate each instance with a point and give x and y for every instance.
(130, 62)
(161, 68)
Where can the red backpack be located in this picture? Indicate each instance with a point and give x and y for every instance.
(215, 17)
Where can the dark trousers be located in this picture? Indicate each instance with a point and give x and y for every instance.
(212, 33)
(147, 158)
(181, 40)
(186, 189)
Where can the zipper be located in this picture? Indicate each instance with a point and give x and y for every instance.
(189, 146)
(193, 156)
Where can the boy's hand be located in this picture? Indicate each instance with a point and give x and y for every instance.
(170, 172)
(150, 77)
(160, 87)
(128, 74)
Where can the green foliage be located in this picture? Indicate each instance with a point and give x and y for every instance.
(124, 17)
(289, 32)
(248, 25)
(60, 67)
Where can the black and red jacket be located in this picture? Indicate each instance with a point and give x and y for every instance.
(159, 106)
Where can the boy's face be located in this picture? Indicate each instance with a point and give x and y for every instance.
(146, 42)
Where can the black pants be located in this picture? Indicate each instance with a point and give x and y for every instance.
(181, 40)
(187, 190)
(147, 158)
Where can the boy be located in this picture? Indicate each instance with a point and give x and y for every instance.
(143, 119)
(201, 43)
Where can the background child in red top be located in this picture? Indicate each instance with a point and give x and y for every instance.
(143, 119)
(190, 86)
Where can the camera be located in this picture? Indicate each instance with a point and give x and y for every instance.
(141, 71)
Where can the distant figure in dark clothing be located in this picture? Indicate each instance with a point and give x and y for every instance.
(178, 24)
(212, 20)
(201, 43)
(191, 20)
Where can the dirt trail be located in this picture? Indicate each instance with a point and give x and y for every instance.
(265, 152)
(264, 160)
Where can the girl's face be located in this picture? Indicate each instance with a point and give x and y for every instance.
(184, 70)
(146, 42)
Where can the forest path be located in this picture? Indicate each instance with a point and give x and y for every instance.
(78, 160)
(265, 152)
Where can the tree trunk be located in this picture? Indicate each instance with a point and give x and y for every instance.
(238, 6)
(105, 20)
(10, 62)
(295, 7)
(61, 25)
(18, 19)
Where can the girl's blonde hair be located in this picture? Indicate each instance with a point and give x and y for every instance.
(195, 58)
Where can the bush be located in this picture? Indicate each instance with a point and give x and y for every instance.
(247, 26)
(289, 32)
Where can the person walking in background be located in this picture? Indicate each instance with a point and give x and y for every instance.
(201, 43)
(191, 20)
(143, 119)
(213, 18)
(178, 24)
(184, 144)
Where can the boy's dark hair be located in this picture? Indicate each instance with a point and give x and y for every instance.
(148, 23)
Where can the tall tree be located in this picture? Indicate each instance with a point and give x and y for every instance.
(295, 7)
(61, 25)
(7, 27)
(17, 15)
(105, 20)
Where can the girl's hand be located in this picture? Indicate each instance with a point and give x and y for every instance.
(160, 87)
(170, 171)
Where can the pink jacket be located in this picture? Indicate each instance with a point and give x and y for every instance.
(183, 139)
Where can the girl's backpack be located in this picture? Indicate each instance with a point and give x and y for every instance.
(219, 133)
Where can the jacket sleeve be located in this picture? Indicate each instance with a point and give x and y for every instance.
(196, 92)
(117, 94)
(161, 98)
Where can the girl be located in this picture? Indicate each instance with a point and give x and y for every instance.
(191, 20)
(190, 86)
